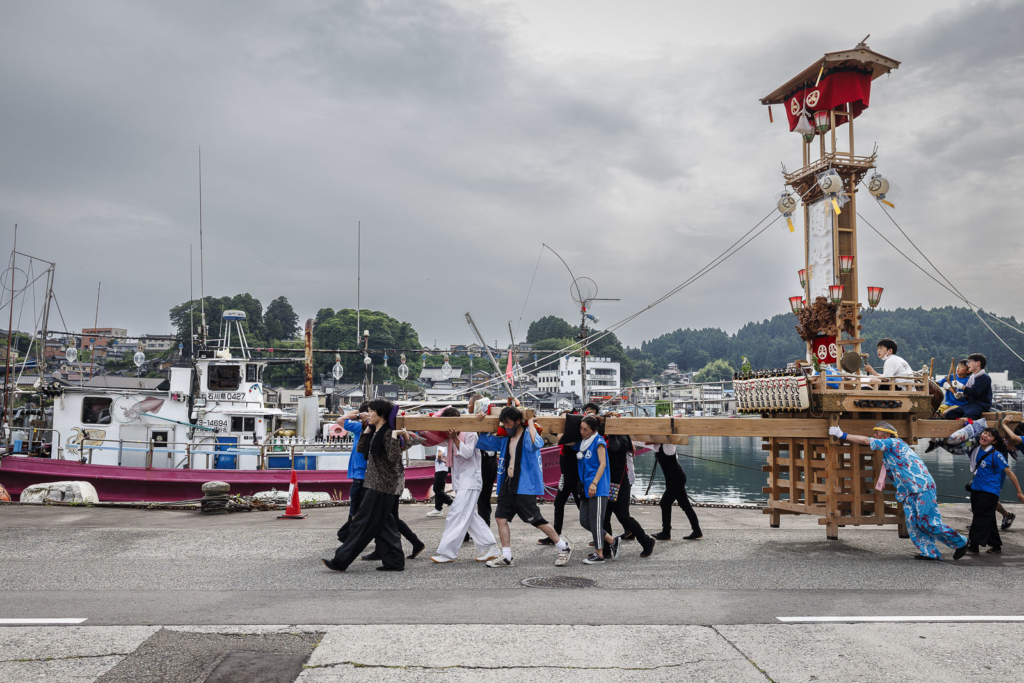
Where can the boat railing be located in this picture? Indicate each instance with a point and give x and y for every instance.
(34, 436)
(188, 450)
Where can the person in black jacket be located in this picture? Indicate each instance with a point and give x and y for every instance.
(675, 490)
(977, 391)
(620, 456)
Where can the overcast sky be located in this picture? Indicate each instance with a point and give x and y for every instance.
(627, 136)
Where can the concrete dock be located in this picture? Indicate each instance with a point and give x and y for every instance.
(178, 596)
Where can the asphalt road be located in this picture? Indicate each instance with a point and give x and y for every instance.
(177, 596)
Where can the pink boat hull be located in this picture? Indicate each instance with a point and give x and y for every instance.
(138, 484)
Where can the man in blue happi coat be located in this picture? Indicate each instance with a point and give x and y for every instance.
(520, 481)
(915, 488)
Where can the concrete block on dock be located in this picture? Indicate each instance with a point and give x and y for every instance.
(60, 492)
(281, 497)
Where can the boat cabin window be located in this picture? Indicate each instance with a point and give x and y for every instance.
(243, 424)
(250, 373)
(224, 377)
(159, 439)
(96, 410)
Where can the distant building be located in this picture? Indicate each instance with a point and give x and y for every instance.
(603, 376)
(432, 375)
(152, 344)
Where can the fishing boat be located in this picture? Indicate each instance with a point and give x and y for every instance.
(138, 439)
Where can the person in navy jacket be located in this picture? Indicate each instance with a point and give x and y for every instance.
(977, 391)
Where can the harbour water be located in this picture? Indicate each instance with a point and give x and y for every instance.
(728, 470)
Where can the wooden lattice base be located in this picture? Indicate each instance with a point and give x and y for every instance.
(835, 482)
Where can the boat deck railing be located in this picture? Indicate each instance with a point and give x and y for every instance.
(210, 453)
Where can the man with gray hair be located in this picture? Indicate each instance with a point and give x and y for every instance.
(915, 488)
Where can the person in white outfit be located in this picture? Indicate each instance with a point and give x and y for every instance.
(464, 459)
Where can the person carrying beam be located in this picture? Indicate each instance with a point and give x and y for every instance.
(915, 488)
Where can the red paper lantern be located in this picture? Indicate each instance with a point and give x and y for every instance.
(822, 121)
(874, 296)
(835, 292)
(803, 278)
(796, 303)
(845, 264)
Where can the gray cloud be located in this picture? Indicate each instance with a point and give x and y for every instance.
(461, 151)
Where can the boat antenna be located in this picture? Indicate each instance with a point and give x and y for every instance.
(10, 324)
(191, 308)
(95, 322)
(202, 288)
(359, 279)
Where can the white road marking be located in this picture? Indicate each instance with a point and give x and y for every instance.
(39, 622)
(797, 620)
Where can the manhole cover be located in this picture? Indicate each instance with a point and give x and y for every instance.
(558, 582)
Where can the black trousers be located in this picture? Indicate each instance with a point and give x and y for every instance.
(355, 497)
(675, 491)
(403, 528)
(489, 474)
(374, 521)
(440, 497)
(984, 529)
(620, 506)
(570, 480)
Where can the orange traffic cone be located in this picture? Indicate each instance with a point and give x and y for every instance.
(293, 511)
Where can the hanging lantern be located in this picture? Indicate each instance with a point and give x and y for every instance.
(385, 359)
(879, 186)
(446, 369)
(835, 292)
(366, 360)
(796, 303)
(802, 273)
(822, 121)
(808, 137)
(337, 371)
(831, 184)
(786, 204)
(71, 354)
(846, 264)
(403, 369)
(139, 358)
(874, 296)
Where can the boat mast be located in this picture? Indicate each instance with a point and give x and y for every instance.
(202, 288)
(7, 373)
(95, 322)
(191, 308)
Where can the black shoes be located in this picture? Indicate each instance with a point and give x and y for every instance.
(647, 547)
(417, 548)
(694, 535)
(1007, 521)
(959, 552)
(662, 536)
(330, 565)
(545, 541)
(371, 557)
(390, 569)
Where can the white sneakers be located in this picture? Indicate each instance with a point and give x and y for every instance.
(500, 562)
(441, 560)
(491, 553)
(435, 513)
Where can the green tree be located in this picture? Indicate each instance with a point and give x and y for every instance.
(282, 323)
(714, 371)
(550, 327)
